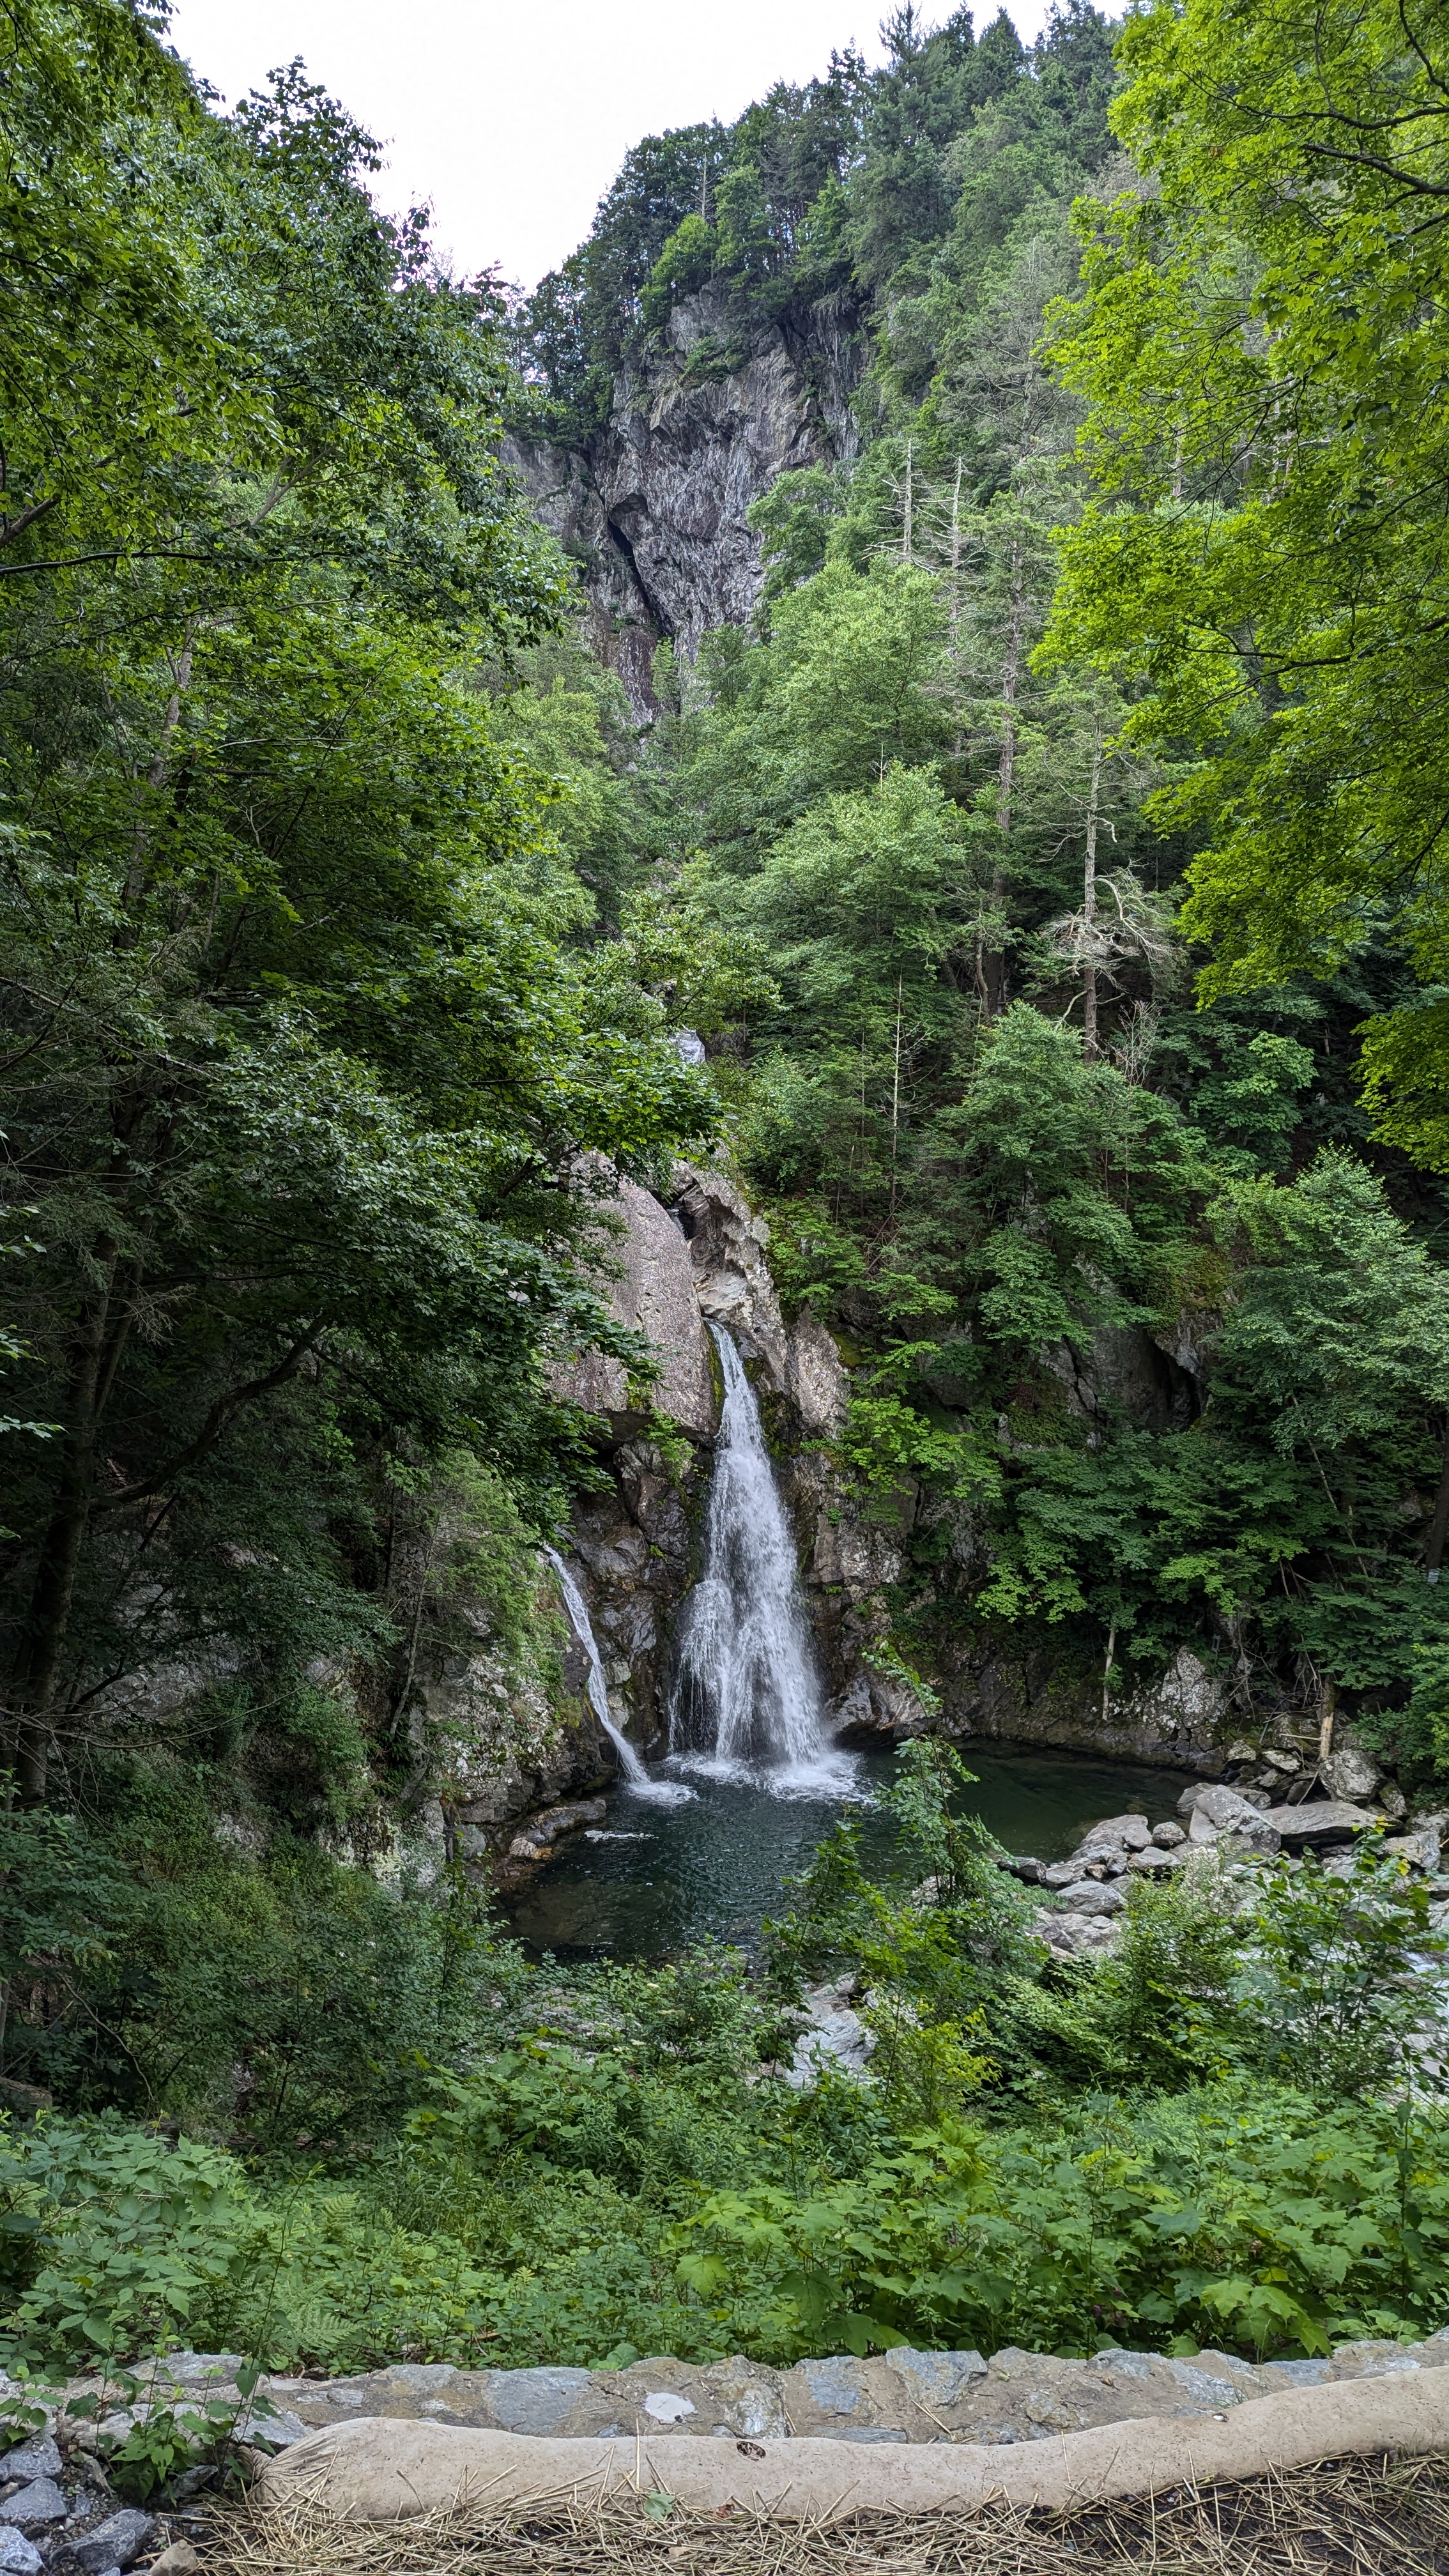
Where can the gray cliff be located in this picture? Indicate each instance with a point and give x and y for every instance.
(652, 505)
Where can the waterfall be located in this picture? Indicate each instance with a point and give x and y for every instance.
(746, 1699)
(635, 1775)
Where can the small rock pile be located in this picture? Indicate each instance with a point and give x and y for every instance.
(59, 2514)
(1090, 1890)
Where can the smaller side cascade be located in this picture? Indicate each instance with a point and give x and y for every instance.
(666, 1792)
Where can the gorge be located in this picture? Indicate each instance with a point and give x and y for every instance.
(726, 1186)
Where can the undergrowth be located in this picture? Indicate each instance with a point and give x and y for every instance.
(1217, 2136)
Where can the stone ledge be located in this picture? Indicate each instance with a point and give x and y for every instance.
(905, 2395)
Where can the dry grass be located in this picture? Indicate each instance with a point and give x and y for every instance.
(1350, 2518)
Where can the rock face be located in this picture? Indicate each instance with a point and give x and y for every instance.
(654, 1294)
(1039, 1699)
(702, 1259)
(835, 2040)
(652, 506)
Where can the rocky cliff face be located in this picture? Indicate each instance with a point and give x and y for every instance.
(702, 1260)
(652, 506)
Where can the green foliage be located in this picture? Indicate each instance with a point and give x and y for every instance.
(1332, 1982)
(300, 1065)
(1260, 323)
(137, 2240)
(190, 1949)
(1255, 2219)
(590, 2166)
(1155, 2013)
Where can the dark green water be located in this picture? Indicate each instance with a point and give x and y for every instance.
(663, 1877)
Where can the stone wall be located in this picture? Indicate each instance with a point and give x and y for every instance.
(900, 2396)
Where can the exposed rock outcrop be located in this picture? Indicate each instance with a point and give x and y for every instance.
(652, 1292)
(1040, 1698)
(652, 505)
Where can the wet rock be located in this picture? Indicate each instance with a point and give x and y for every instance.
(728, 1252)
(541, 1832)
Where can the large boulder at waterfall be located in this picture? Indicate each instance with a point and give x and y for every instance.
(1351, 1773)
(653, 1292)
(728, 1250)
(1091, 1896)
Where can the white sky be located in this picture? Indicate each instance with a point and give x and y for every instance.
(511, 119)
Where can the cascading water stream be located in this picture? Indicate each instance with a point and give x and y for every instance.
(635, 1775)
(746, 1703)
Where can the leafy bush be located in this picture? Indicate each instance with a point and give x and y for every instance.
(1232, 2215)
(156, 1967)
(131, 2240)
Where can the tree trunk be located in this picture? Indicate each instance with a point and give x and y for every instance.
(1439, 1525)
(955, 607)
(896, 1102)
(994, 963)
(37, 1663)
(1089, 904)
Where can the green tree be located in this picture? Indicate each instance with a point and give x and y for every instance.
(297, 1076)
(1258, 339)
